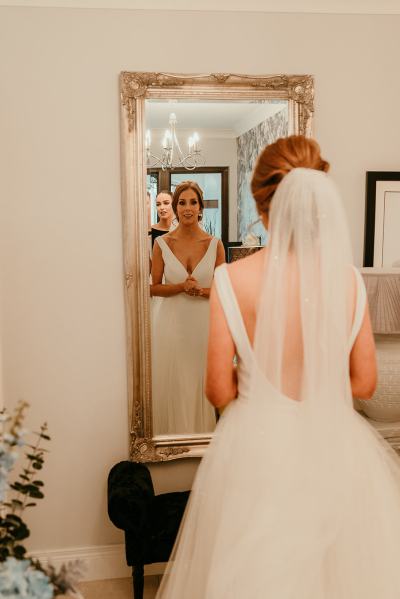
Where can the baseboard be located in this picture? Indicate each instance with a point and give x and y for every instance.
(102, 561)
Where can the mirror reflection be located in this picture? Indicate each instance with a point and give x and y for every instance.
(199, 207)
(183, 264)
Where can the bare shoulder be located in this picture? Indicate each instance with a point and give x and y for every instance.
(169, 238)
(246, 266)
(206, 237)
(246, 278)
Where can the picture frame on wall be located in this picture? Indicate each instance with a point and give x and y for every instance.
(382, 220)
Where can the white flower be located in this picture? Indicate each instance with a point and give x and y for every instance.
(19, 580)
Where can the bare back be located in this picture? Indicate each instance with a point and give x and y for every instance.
(246, 279)
(301, 301)
(247, 276)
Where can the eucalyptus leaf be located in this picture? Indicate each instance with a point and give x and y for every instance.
(19, 551)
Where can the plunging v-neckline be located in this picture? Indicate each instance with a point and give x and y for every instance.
(199, 262)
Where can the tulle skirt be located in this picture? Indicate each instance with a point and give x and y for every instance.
(284, 509)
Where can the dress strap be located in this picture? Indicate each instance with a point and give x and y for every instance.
(214, 241)
(211, 252)
(165, 249)
(232, 312)
(361, 300)
(161, 242)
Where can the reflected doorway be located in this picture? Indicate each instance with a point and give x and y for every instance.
(214, 181)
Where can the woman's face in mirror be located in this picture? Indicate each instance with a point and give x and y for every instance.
(164, 206)
(188, 208)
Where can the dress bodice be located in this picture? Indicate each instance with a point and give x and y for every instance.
(175, 272)
(180, 335)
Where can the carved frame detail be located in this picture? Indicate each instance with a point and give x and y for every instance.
(135, 87)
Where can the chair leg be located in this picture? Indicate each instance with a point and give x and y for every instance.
(138, 581)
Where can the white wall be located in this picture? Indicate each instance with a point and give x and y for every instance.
(61, 247)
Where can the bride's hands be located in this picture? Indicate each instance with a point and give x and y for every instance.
(191, 287)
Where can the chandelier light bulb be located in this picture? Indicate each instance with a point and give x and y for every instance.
(148, 139)
(172, 155)
(167, 141)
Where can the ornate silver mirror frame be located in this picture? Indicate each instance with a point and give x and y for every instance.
(135, 87)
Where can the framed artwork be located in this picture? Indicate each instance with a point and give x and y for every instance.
(382, 220)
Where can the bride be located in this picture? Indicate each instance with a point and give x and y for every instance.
(297, 496)
(183, 267)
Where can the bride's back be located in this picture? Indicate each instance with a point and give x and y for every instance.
(296, 296)
(247, 277)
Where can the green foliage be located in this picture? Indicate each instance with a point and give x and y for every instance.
(15, 497)
(13, 529)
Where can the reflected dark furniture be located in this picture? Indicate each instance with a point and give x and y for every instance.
(150, 521)
(236, 250)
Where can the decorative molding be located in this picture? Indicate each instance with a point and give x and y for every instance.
(376, 7)
(298, 88)
(102, 561)
(302, 92)
(146, 450)
(128, 279)
(135, 87)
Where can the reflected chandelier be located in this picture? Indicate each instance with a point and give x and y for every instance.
(172, 155)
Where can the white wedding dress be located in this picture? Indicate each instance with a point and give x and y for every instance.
(179, 350)
(295, 498)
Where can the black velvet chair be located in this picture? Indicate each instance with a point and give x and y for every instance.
(150, 522)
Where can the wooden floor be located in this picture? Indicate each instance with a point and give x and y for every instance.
(118, 588)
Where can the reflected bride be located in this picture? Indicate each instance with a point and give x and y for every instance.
(186, 257)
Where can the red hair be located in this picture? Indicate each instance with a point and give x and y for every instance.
(277, 160)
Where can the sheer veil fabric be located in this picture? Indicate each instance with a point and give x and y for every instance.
(297, 496)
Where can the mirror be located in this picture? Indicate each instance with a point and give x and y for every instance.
(207, 129)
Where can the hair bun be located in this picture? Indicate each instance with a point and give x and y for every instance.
(277, 160)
